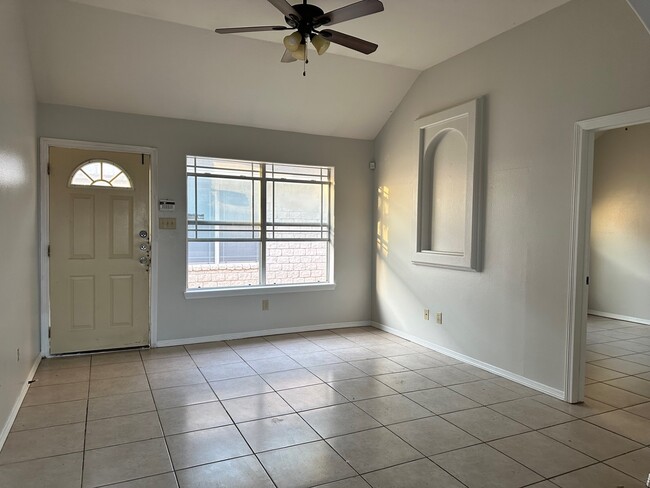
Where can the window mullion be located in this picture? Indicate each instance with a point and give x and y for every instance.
(196, 203)
(263, 225)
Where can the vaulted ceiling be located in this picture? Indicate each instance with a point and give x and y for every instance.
(161, 57)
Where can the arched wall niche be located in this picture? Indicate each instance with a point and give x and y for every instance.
(444, 188)
(448, 196)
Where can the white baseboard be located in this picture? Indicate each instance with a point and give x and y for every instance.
(624, 318)
(554, 392)
(258, 333)
(19, 401)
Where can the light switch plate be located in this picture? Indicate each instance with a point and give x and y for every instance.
(167, 223)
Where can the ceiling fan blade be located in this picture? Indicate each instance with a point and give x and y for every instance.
(262, 28)
(352, 11)
(288, 58)
(348, 41)
(284, 7)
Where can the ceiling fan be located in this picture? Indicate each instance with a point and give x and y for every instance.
(306, 19)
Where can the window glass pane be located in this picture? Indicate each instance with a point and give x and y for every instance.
(295, 203)
(294, 172)
(121, 181)
(220, 167)
(201, 252)
(297, 211)
(225, 208)
(109, 171)
(296, 262)
(238, 252)
(191, 211)
(81, 179)
(94, 170)
(326, 204)
(205, 268)
(101, 183)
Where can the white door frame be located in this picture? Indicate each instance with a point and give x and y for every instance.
(583, 166)
(45, 144)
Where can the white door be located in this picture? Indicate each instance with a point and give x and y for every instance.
(99, 250)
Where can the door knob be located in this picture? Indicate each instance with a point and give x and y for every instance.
(143, 233)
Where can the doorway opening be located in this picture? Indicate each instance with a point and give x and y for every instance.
(580, 269)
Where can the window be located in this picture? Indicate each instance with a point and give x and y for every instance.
(100, 173)
(257, 224)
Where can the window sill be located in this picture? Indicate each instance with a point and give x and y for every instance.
(255, 290)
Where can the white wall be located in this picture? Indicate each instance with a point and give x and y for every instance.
(584, 59)
(18, 212)
(180, 318)
(620, 224)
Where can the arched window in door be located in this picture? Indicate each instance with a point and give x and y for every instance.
(99, 172)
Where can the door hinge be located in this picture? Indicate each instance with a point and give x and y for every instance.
(587, 279)
(48, 250)
(48, 168)
(49, 332)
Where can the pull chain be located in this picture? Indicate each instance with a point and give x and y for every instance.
(304, 70)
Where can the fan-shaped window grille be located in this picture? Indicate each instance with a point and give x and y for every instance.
(100, 173)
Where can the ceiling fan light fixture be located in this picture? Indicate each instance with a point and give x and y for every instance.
(320, 44)
(300, 53)
(293, 41)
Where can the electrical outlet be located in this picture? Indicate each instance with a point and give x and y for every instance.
(439, 318)
(426, 314)
(265, 305)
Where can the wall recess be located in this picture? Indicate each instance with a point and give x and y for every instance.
(449, 188)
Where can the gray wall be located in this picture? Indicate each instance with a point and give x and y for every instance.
(620, 224)
(585, 59)
(179, 318)
(18, 211)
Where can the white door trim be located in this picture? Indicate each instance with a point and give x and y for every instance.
(583, 165)
(44, 206)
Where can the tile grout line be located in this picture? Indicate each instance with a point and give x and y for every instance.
(238, 430)
(83, 452)
(164, 437)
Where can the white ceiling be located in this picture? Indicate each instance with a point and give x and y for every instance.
(160, 57)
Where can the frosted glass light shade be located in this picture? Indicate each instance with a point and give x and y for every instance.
(293, 41)
(320, 44)
(300, 53)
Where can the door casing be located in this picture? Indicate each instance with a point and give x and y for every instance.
(45, 144)
(583, 167)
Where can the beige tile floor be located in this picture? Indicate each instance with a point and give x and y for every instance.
(347, 408)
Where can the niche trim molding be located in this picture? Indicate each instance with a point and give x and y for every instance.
(440, 238)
